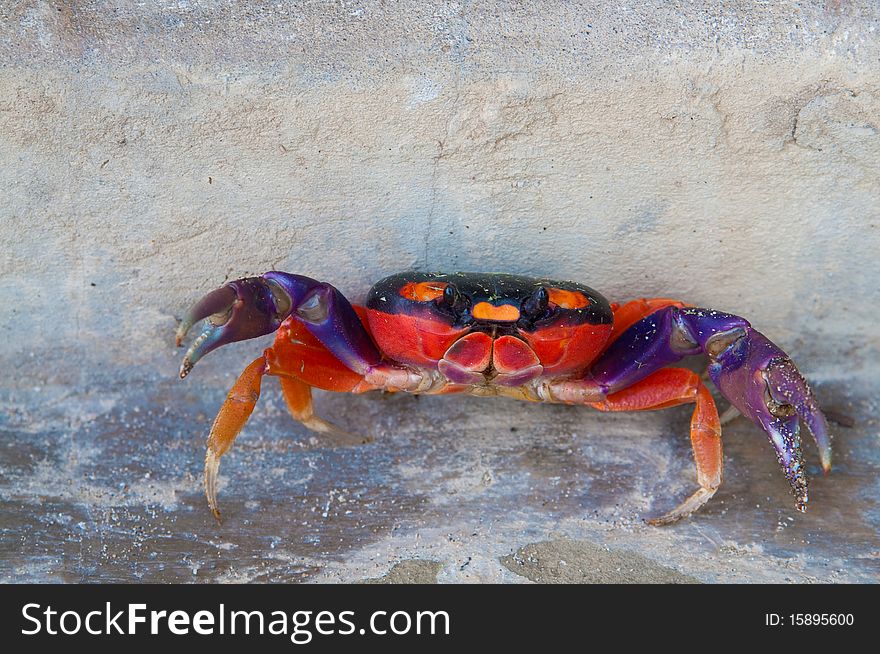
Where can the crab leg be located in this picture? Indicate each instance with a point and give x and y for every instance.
(755, 375)
(239, 405)
(233, 415)
(298, 397)
(671, 387)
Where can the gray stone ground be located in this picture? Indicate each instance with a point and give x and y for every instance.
(105, 486)
(724, 153)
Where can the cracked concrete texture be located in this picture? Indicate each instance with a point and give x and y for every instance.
(725, 155)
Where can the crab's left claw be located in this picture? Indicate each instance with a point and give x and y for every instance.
(762, 382)
(239, 310)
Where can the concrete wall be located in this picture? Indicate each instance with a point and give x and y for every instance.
(727, 155)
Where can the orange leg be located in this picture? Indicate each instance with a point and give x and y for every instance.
(298, 360)
(298, 396)
(671, 387)
(233, 414)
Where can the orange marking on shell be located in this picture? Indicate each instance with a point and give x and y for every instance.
(568, 299)
(486, 311)
(423, 291)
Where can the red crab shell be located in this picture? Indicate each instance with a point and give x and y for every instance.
(494, 327)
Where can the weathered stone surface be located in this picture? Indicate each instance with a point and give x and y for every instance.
(414, 571)
(582, 562)
(105, 486)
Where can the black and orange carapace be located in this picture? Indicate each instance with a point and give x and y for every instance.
(498, 334)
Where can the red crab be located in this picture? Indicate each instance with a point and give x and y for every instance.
(508, 335)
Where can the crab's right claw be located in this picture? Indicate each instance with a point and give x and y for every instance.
(241, 309)
(788, 400)
(762, 382)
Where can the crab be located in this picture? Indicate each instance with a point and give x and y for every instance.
(496, 334)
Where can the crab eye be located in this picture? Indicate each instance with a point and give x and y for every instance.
(453, 300)
(536, 305)
(450, 295)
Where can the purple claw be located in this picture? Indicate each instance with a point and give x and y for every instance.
(755, 375)
(786, 386)
(242, 309)
(217, 302)
(785, 437)
(255, 306)
(759, 379)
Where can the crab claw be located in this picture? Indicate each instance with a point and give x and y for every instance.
(762, 382)
(241, 309)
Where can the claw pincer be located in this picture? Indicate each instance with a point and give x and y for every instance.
(759, 379)
(245, 308)
(750, 371)
(256, 306)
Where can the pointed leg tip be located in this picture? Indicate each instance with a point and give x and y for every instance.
(730, 414)
(825, 460)
(212, 466)
(800, 502)
(686, 508)
(663, 520)
(185, 368)
(334, 435)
